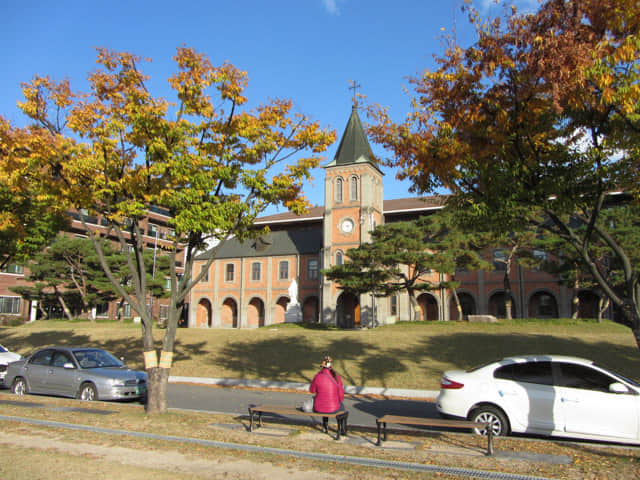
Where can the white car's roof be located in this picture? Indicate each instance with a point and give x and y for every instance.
(546, 358)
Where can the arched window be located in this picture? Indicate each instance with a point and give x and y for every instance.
(339, 258)
(339, 193)
(353, 188)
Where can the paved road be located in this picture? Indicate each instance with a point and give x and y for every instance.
(362, 411)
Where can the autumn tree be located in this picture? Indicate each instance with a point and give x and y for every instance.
(540, 116)
(207, 158)
(30, 214)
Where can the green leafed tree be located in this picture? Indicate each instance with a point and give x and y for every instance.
(70, 271)
(214, 163)
(535, 125)
(409, 256)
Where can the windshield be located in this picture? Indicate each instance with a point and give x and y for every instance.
(95, 358)
(2, 349)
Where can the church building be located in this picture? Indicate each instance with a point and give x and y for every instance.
(277, 278)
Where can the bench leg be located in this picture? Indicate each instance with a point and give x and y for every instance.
(343, 421)
(325, 424)
(379, 427)
(489, 441)
(250, 420)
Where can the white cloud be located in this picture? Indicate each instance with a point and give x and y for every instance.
(496, 6)
(331, 6)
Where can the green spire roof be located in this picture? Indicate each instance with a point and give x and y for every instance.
(354, 146)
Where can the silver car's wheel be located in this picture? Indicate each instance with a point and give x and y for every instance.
(494, 416)
(88, 392)
(19, 386)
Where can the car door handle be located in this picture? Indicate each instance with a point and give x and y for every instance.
(51, 371)
(569, 400)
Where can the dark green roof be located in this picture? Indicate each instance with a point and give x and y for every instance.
(354, 146)
(294, 242)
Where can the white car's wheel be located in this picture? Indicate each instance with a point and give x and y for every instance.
(494, 416)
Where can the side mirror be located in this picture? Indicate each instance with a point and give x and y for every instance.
(68, 366)
(618, 387)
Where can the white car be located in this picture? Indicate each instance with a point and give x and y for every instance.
(6, 357)
(545, 395)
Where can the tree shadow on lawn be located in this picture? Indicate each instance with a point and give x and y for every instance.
(290, 358)
(129, 348)
(467, 350)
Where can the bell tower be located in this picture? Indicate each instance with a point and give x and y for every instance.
(353, 199)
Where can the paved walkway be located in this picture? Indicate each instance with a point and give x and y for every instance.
(348, 389)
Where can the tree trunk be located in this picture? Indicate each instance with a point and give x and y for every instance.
(157, 390)
(63, 304)
(603, 304)
(507, 283)
(507, 294)
(458, 306)
(414, 308)
(575, 301)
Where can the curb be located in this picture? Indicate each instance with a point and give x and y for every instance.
(266, 384)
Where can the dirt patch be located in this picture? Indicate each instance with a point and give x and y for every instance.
(166, 460)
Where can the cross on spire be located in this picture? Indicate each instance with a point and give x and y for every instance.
(354, 86)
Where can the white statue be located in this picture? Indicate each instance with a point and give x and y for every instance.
(293, 293)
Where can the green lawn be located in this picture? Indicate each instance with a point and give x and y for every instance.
(406, 355)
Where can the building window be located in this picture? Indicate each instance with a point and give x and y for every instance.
(10, 305)
(255, 271)
(13, 268)
(312, 269)
(353, 188)
(339, 194)
(152, 230)
(126, 310)
(229, 273)
(102, 310)
(164, 312)
(205, 278)
(339, 258)
(546, 306)
(541, 256)
(284, 270)
(500, 260)
(393, 305)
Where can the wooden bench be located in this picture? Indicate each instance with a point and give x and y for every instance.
(259, 410)
(381, 424)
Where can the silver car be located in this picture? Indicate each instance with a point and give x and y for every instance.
(84, 373)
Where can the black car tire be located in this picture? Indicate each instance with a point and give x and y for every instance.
(88, 392)
(19, 386)
(489, 413)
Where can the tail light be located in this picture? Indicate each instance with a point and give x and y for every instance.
(449, 384)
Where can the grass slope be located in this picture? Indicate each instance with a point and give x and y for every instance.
(405, 355)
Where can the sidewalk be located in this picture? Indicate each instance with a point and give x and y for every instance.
(304, 387)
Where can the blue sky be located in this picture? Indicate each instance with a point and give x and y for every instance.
(305, 50)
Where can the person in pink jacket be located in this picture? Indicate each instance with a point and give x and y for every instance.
(328, 390)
